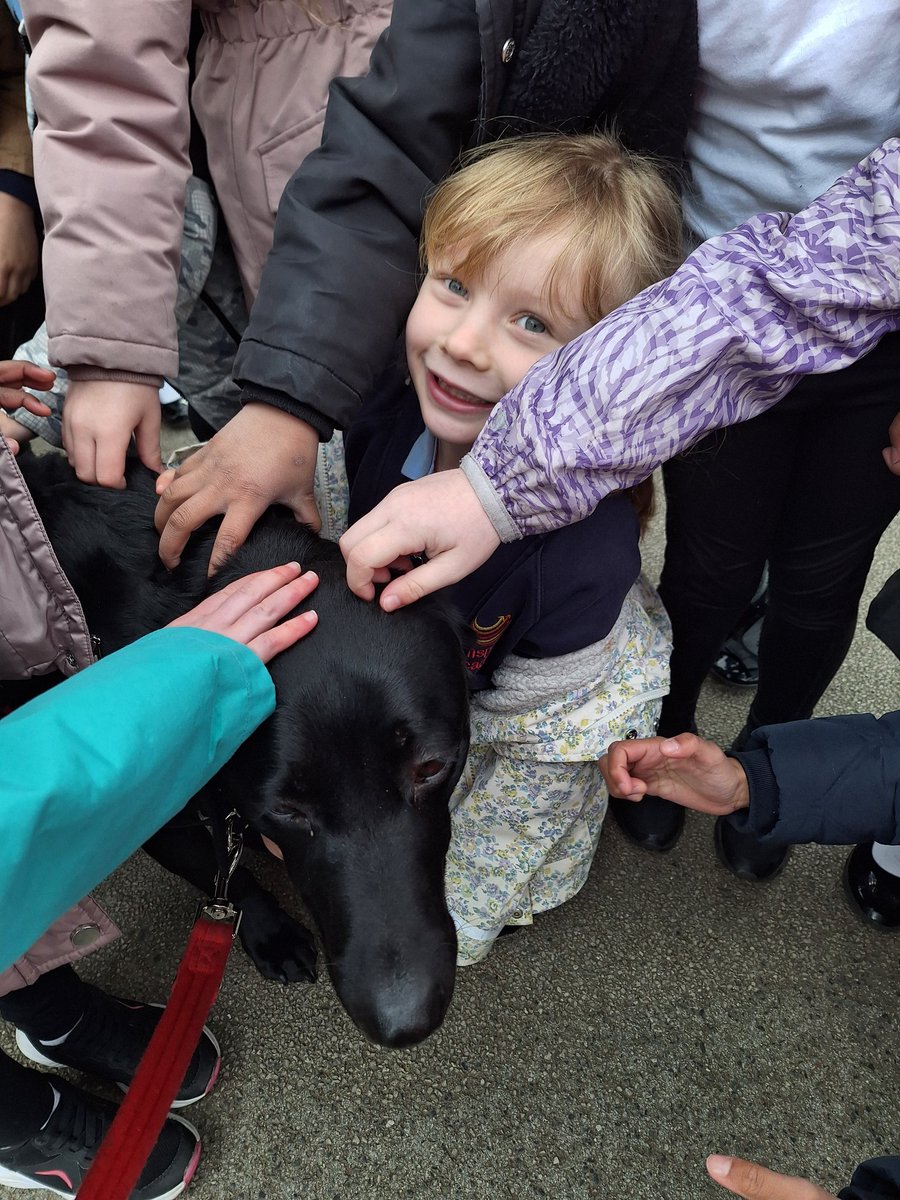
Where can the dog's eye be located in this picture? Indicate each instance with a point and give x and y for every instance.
(286, 812)
(427, 772)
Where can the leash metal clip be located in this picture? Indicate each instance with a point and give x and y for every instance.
(222, 913)
(219, 908)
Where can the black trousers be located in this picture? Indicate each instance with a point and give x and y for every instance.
(804, 487)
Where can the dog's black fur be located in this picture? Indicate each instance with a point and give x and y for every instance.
(350, 776)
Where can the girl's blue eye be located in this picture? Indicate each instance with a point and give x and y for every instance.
(531, 324)
(454, 286)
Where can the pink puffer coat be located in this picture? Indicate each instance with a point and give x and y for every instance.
(111, 161)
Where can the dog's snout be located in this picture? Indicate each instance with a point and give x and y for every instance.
(404, 1011)
(398, 992)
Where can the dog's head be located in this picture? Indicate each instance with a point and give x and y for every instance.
(351, 778)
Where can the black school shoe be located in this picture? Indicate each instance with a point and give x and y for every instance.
(741, 853)
(109, 1040)
(652, 823)
(57, 1158)
(734, 670)
(737, 663)
(874, 893)
(744, 856)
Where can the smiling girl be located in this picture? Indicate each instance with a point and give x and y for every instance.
(531, 243)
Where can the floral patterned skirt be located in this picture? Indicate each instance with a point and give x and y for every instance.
(531, 801)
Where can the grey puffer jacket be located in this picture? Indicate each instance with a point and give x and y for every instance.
(42, 625)
(341, 275)
(42, 629)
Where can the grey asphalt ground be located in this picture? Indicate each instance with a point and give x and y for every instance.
(667, 1012)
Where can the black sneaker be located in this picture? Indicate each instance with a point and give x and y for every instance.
(109, 1040)
(873, 892)
(57, 1158)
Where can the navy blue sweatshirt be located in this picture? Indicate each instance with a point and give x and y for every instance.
(539, 597)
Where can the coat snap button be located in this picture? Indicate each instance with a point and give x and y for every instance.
(509, 49)
(84, 935)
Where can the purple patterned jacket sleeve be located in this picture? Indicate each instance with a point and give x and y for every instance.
(720, 341)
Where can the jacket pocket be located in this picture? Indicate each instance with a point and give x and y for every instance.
(282, 154)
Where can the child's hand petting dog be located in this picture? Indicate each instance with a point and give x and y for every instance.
(14, 376)
(249, 609)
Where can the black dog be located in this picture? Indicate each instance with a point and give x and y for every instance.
(350, 776)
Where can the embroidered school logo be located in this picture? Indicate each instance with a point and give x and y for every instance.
(490, 635)
(486, 638)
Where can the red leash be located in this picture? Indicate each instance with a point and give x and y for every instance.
(141, 1115)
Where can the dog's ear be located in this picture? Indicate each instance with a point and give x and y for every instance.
(440, 608)
(444, 610)
(465, 633)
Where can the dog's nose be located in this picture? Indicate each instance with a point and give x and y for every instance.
(404, 1012)
(397, 1005)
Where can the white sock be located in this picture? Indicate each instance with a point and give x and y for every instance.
(887, 857)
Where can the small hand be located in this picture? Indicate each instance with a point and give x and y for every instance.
(262, 456)
(753, 1182)
(18, 248)
(98, 419)
(249, 609)
(14, 376)
(687, 770)
(439, 515)
(891, 453)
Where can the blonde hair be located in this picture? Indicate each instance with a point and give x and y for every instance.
(622, 217)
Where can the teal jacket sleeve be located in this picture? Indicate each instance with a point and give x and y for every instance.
(96, 765)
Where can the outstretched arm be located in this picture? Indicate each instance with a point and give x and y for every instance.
(720, 341)
(833, 780)
(127, 742)
(109, 80)
(687, 770)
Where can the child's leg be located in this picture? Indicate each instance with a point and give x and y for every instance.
(49, 1008)
(512, 818)
(531, 801)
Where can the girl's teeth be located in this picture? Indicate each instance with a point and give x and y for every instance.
(466, 397)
